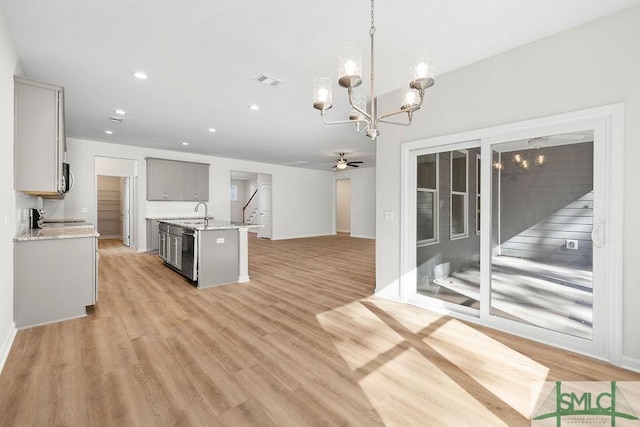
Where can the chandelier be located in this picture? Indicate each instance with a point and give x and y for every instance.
(350, 77)
(521, 160)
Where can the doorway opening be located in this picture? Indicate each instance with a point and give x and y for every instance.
(343, 206)
(250, 201)
(114, 208)
(115, 199)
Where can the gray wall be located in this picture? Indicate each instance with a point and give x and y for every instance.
(542, 207)
(590, 65)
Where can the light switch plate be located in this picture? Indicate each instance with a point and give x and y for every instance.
(388, 215)
(220, 240)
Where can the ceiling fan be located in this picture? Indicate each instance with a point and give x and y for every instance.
(342, 163)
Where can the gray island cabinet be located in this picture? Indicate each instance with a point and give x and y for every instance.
(212, 253)
(55, 275)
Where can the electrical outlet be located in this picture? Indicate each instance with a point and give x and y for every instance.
(84, 210)
(388, 215)
(571, 244)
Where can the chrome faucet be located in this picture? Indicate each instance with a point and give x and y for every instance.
(206, 212)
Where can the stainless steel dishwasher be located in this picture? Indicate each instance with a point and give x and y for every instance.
(189, 266)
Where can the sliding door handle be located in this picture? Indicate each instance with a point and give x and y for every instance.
(597, 235)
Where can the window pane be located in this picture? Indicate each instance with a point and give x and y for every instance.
(426, 215)
(459, 171)
(448, 269)
(457, 214)
(427, 171)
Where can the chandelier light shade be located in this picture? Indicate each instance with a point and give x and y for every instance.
(350, 77)
(421, 69)
(322, 98)
(349, 67)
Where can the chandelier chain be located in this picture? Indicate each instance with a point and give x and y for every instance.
(373, 27)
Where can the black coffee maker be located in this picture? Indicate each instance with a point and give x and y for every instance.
(36, 217)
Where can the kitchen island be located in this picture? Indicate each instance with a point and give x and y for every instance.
(209, 253)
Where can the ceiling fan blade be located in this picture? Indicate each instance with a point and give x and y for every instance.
(353, 163)
(354, 166)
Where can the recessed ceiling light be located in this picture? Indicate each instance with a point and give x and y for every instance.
(254, 107)
(212, 130)
(140, 75)
(120, 111)
(108, 132)
(185, 143)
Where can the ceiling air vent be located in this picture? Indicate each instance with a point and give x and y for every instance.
(268, 80)
(115, 119)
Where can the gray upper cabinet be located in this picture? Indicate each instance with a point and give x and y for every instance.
(39, 138)
(177, 181)
(164, 180)
(195, 182)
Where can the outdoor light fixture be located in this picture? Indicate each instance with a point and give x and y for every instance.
(350, 77)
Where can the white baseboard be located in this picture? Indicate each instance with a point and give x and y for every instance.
(363, 237)
(5, 347)
(388, 295)
(301, 236)
(631, 363)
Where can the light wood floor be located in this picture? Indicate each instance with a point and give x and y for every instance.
(304, 343)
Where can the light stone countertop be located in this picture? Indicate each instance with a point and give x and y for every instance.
(59, 232)
(175, 217)
(198, 224)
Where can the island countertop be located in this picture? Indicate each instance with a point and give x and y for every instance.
(212, 224)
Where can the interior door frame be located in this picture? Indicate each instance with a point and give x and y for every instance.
(608, 125)
(338, 193)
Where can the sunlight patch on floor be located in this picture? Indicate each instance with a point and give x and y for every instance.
(503, 371)
(412, 363)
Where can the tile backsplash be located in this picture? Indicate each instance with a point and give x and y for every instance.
(24, 202)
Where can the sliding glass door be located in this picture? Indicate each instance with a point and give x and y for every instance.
(448, 244)
(542, 251)
(519, 229)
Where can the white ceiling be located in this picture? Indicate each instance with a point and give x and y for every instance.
(203, 56)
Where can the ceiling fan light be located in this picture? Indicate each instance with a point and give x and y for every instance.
(322, 97)
(349, 67)
(341, 166)
(421, 68)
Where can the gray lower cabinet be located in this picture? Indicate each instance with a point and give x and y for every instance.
(153, 236)
(170, 245)
(55, 279)
(174, 247)
(39, 138)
